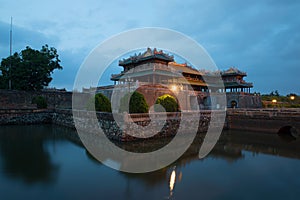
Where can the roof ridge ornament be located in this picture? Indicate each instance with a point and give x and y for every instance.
(233, 70)
(149, 53)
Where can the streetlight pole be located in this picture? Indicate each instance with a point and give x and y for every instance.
(10, 54)
(292, 98)
(274, 101)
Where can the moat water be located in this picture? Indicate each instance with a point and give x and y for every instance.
(48, 162)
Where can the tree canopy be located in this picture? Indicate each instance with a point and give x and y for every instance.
(100, 103)
(133, 103)
(275, 93)
(30, 69)
(168, 102)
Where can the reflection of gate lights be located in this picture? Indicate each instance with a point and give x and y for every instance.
(274, 101)
(172, 181)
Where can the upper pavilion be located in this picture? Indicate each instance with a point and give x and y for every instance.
(234, 81)
(157, 67)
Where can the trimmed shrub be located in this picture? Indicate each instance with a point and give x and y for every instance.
(40, 102)
(137, 103)
(168, 102)
(100, 102)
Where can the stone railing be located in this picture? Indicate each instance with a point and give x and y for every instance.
(283, 112)
(263, 120)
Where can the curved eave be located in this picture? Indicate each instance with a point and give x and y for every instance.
(116, 77)
(145, 73)
(233, 74)
(197, 83)
(238, 85)
(152, 57)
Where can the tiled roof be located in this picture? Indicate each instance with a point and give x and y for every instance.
(147, 55)
(236, 84)
(184, 68)
(233, 71)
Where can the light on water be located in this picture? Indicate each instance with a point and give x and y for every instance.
(172, 181)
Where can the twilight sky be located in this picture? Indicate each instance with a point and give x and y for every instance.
(260, 37)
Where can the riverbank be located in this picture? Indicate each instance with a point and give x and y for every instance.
(131, 122)
(260, 120)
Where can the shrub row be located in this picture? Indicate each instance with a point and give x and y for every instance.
(132, 103)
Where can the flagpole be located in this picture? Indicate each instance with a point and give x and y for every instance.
(10, 54)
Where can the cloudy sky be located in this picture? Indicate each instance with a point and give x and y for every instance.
(260, 37)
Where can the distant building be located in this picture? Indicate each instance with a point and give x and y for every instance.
(238, 91)
(155, 73)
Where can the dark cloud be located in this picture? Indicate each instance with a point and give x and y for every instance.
(260, 37)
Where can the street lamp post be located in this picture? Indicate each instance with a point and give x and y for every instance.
(292, 98)
(274, 101)
(10, 53)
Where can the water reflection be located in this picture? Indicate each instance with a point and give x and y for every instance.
(260, 143)
(25, 155)
(172, 181)
(231, 148)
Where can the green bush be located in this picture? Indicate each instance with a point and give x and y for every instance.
(100, 103)
(137, 103)
(168, 102)
(40, 102)
(295, 106)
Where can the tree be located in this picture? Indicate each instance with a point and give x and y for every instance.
(292, 94)
(275, 93)
(100, 102)
(136, 103)
(2, 82)
(30, 69)
(40, 102)
(168, 102)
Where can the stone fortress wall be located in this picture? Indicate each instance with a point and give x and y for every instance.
(16, 108)
(15, 99)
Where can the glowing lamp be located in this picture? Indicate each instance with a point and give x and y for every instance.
(174, 88)
(292, 97)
